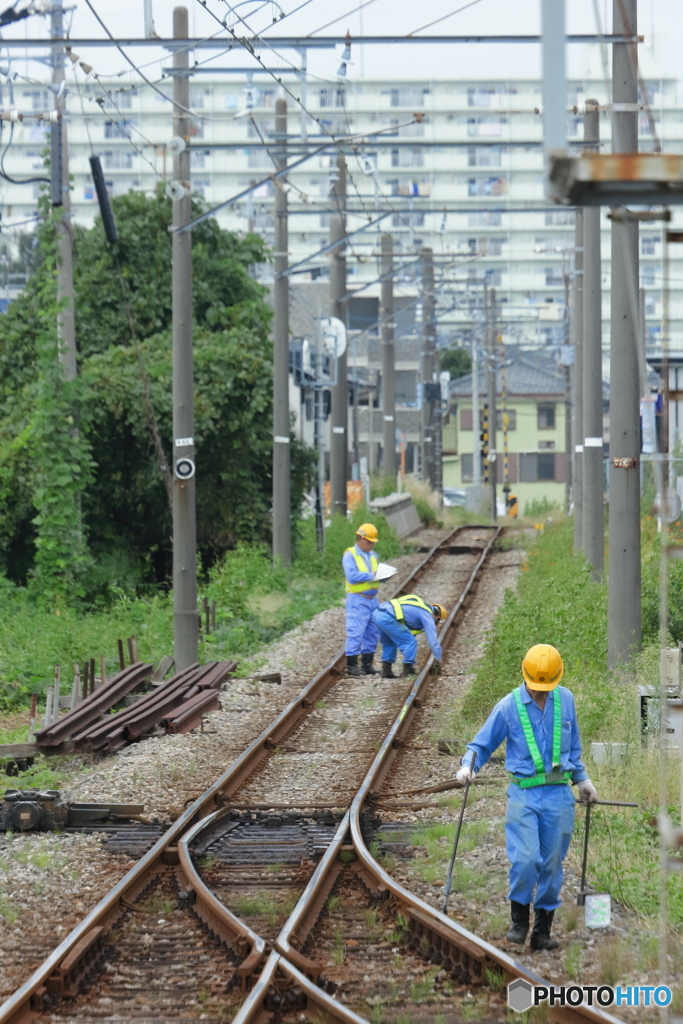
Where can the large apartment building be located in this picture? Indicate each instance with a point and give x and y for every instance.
(457, 168)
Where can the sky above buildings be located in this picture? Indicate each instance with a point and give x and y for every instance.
(659, 21)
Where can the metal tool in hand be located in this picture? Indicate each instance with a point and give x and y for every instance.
(581, 898)
(449, 879)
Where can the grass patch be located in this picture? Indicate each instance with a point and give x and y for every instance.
(158, 905)
(260, 905)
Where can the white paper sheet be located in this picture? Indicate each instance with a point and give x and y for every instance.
(385, 572)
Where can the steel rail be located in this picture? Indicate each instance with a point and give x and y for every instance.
(79, 946)
(469, 955)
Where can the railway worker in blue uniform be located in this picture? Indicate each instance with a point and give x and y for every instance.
(543, 756)
(399, 622)
(360, 565)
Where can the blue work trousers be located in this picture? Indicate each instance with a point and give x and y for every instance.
(361, 632)
(538, 829)
(395, 634)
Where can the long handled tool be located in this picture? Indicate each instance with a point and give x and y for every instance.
(581, 898)
(449, 879)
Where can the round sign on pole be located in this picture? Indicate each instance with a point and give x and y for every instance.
(334, 336)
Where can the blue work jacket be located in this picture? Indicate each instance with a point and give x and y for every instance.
(503, 724)
(418, 619)
(351, 570)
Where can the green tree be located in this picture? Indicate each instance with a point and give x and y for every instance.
(457, 361)
(125, 381)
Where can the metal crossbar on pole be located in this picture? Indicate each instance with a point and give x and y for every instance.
(388, 362)
(338, 307)
(624, 616)
(185, 632)
(593, 505)
(282, 533)
(307, 42)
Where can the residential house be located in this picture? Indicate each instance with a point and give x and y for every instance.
(536, 413)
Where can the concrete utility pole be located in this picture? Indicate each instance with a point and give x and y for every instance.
(593, 483)
(388, 352)
(491, 393)
(185, 633)
(476, 423)
(282, 533)
(61, 198)
(338, 307)
(624, 620)
(428, 359)
(578, 432)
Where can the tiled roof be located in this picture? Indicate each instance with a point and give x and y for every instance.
(522, 377)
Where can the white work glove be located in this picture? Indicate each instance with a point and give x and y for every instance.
(465, 775)
(587, 792)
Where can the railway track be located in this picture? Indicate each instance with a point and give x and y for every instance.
(244, 910)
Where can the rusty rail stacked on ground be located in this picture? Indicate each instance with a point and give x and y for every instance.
(95, 705)
(179, 703)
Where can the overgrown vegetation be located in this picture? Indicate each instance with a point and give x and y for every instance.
(56, 438)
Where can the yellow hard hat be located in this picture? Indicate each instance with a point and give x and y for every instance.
(542, 667)
(368, 532)
(440, 611)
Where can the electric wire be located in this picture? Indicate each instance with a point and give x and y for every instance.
(366, 3)
(6, 176)
(444, 18)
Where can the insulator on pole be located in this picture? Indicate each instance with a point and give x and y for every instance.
(103, 200)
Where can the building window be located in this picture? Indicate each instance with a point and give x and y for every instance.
(536, 466)
(512, 419)
(197, 158)
(467, 468)
(546, 417)
(563, 217)
(118, 129)
(553, 276)
(484, 156)
(486, 186)
(407, 157)
(648, 274)
(648, 245)
(465, 419)
(118, 160)
(485, 219)
(409, 96)
(331, 98)
(546, 445)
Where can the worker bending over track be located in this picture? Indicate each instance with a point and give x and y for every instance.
(360, 565)
(543, 755)
(399, 621)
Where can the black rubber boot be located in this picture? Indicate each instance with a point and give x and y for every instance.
(519, 914)
(408, 669)
(352, 666)
(387, 670)
(367, 665)
(540, 936)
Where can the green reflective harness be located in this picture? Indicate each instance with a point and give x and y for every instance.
(542, 777)
(415, 602)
